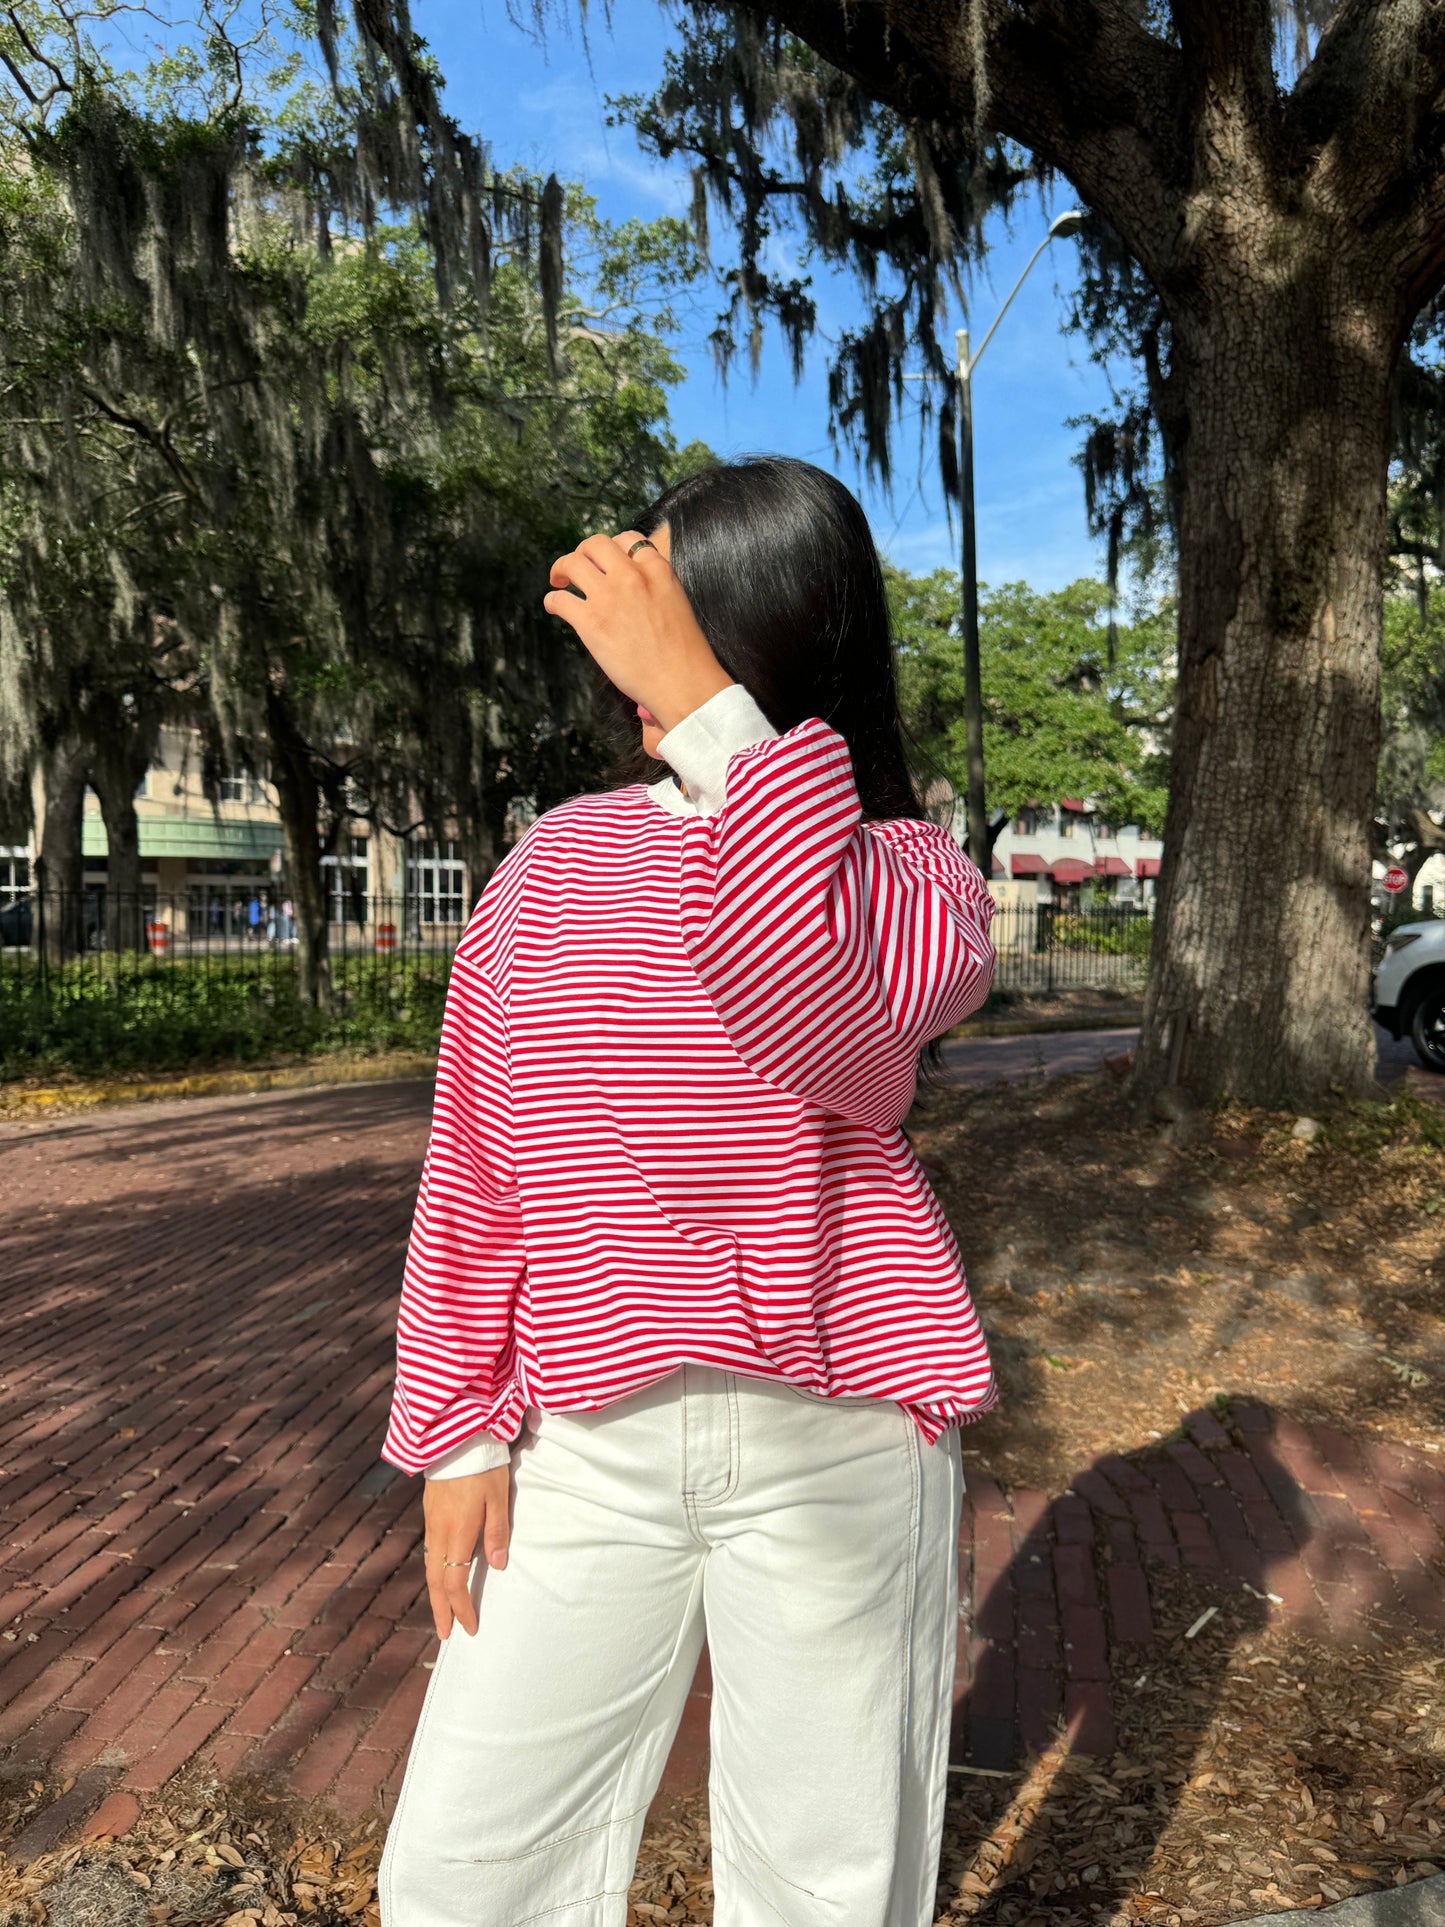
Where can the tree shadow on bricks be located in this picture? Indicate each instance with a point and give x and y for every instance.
(1079, 1599)
(266, 1122)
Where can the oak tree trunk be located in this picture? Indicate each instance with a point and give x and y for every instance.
(117, 765)
(478, 848)
(1259, 977)
(298, 796)
(59, 926)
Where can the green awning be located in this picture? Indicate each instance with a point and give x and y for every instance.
(190, 836)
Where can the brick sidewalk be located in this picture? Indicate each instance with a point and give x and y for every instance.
(202, 1554)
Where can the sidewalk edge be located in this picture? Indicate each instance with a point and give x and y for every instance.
(58, 1098)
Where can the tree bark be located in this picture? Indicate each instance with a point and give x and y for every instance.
(298, 796)
(478, 845)
(1258, 981)
(59, 928)
(117, 765)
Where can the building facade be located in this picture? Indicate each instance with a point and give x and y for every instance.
(216, 869)
(1067, 853)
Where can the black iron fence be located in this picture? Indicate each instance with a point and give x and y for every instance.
(95, 982)
(1048, 947)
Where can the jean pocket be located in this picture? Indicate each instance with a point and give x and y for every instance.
(844, 1398)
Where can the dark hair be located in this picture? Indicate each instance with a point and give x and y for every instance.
(780, 567)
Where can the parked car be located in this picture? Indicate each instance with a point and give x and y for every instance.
(1408, 989)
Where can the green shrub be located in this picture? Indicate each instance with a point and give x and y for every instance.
(1105, 936)
(123, 1013)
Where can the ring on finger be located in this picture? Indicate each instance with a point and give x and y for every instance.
(446, 1563)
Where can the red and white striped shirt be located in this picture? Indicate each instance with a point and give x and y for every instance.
(676, 1058)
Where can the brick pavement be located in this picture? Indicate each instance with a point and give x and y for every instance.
(202, 1557)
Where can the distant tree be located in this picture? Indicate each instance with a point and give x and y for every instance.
(1411, 798)
(1060, 719)
(322, 456)
(532, 458)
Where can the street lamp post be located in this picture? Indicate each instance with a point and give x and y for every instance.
(972, 663)
(1062, 224)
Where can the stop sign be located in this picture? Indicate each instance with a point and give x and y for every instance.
(1395, 879)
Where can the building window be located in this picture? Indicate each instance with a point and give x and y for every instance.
(220, 906)
(14, 878)
(240, 786)
(1067, 820)
(347, 881)
(435, 880)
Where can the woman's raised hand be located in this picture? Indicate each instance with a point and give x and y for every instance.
(633, 617)
(462, 1517)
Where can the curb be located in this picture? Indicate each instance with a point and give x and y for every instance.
(15, 1104)
(1421, 1904)
(1040, 1026)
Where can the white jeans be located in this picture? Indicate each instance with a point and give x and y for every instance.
(815, 1543)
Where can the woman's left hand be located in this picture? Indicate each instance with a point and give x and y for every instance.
(633, 617)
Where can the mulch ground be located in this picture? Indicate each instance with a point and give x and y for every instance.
(1199, 1675)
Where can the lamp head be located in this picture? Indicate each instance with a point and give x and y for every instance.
(1069, 222)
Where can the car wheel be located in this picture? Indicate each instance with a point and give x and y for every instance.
(1427, 1030)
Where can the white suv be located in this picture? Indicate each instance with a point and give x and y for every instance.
(1408, 989)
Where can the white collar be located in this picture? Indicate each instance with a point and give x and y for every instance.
(669, 796)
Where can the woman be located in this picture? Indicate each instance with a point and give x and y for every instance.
(684, 1336)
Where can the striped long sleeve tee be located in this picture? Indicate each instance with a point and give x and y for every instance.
(678, 1049)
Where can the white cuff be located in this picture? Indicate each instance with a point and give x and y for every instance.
(699, 747)
(480, 1454)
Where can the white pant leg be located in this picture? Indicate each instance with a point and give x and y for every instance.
(831, 1599)
(542, 1740)
(821, 1540)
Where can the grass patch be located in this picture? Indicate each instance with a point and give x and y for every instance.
(1364, 1127)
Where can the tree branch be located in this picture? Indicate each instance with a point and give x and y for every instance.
(1228, 48)
(1369, 108)
(147, 432)
(59, 85)
(1079, 82)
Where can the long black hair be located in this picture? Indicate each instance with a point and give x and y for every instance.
(782, 573)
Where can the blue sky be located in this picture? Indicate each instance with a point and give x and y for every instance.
(543, 106)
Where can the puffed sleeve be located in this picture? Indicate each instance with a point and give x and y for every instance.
(832, 949)
(455, 1384)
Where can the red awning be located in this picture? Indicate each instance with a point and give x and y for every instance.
(1071, 869)
(997, 868)
(1147, 866)
(1071, 803)
(1025, 864)
(1111, 866)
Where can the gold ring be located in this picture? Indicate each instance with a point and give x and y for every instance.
(644, 542)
